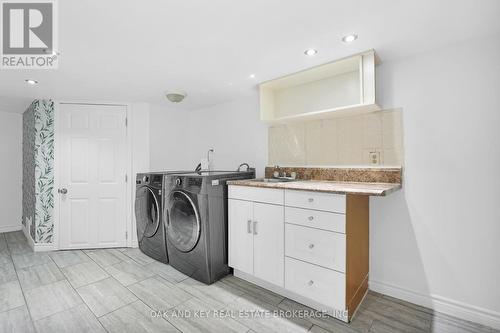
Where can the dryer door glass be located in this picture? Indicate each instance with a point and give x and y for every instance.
(147, 213)
(183, 229)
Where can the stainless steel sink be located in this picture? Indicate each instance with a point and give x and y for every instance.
(274, 180)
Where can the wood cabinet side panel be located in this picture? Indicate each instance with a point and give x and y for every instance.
(357, 249)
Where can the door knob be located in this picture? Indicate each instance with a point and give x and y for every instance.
(62, 190)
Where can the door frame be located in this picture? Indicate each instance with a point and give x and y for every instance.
(57, 167)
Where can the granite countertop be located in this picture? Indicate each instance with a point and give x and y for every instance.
(362, 188)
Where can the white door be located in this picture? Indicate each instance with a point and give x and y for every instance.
(268, 243)
(240, 230)
(92, 168)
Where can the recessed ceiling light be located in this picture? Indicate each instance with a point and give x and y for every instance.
(252, 76)
(31, 81)
(349, 38)
(310, 52)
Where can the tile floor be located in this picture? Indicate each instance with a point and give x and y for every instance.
(116, 290)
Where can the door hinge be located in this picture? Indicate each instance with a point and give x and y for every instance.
(126, 121)
(126, 178)
(126, 234)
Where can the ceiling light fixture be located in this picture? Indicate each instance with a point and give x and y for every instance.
(31, 81)
(310, 52)
(176, 97)
(349, 38)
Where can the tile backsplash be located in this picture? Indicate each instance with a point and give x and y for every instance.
(362, 140)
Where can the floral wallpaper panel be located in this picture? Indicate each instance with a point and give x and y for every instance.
(38, 169)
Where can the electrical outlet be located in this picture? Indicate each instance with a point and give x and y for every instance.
(374, 157)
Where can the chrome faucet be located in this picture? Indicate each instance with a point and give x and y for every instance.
(243, 164)
(211, 150)
(276, 172)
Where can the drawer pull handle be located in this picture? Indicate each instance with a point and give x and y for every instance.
(310, 283)
(255, 227)
(311, 199)
(311, 246)
(310, 218)
(249, 226)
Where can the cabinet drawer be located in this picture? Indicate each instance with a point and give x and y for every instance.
(320, 247)
(265, 195)
(315, 219)
(322, 285)
(316, 200)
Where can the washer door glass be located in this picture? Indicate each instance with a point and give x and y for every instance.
(147, 213)
(183, 229)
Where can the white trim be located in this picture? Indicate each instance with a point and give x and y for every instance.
(440, 304)
(55, 245)
(44, 247)
(10, 228)
(26, 232)
(130, 178)
(57, 158)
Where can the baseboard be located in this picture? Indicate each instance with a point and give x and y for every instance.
(440, 304)
(10, 228)
(42, 247)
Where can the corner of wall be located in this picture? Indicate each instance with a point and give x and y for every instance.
(38, 175)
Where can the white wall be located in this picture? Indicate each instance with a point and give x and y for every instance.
(10, 171)
(179, 139)
(437, 242)
(169, 140)
(235, 132)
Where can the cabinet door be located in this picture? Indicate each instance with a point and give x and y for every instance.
(240, 231)
(268, 229)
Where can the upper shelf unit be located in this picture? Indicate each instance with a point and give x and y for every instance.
(338, 88)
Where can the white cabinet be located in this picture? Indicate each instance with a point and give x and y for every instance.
(338, 88)
(308, 246)
(268, 260)
(319, 247)
(323, 285)
(256, 238)
(240, 233)
(316, 200)
(315, 219)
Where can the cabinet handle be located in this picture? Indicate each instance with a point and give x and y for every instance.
(249, 226)
(311, 246)
(310, 218)
(311, 199)
(255, 227)
(310, 283)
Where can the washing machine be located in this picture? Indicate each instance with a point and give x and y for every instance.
(148, 215)
(196, 222)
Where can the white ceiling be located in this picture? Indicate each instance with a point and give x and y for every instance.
(132, 51)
